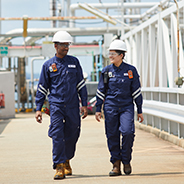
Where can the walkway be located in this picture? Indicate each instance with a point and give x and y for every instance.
(25, 156)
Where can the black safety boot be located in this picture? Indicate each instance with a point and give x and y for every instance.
(116, 171)
(127, 168)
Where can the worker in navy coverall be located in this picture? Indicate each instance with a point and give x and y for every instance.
(62, 79)
(118, 87)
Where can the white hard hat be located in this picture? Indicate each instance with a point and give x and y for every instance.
(62, 36)
(118, 45)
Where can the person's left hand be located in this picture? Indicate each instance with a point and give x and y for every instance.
(98, 116)
(140, 118)
(84, 111)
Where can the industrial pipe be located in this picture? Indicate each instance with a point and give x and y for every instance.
(32, 79)
(162, 3)
(49, 18)
(74, 7)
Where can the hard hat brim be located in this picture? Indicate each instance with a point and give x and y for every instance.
(116, 49)
(64, 41)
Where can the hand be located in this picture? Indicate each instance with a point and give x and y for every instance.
(38, 116)
(98, 116)
(140, 118)
(84, 111)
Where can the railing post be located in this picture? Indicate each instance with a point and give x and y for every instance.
(169, 127)
(179, 130)
(153, 123)
(160, 124)
(178, 100)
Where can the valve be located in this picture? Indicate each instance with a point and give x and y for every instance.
(179, 81)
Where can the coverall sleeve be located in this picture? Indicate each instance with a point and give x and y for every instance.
(136, 91)
(81, 86)
(100, 94)
(42, 88)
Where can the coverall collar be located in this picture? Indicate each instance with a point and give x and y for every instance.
(120, 66)
(59, 59)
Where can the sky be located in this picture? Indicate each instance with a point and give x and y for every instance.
(40, 8)
(36, 8)
(32, 8)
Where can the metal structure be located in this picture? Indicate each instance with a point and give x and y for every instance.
(152, 47)
(155, 47)
(71, 11)
(153, 32)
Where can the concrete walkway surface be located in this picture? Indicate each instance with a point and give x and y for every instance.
(26, 155)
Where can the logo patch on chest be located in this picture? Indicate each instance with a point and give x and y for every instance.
(110, 74)
(53, 68)
(50, 69)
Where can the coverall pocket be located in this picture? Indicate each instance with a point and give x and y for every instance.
(125, 84)
(55, 77)
(72, 75)
(113, 83)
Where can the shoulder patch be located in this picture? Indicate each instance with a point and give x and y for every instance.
(130, 74)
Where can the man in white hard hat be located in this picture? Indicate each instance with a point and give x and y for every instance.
(118, 88)
(62, 78)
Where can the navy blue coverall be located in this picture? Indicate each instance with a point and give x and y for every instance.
(122, 89)
(63, 81)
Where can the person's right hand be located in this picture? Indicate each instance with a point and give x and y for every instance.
(98, 116)
(38, 116)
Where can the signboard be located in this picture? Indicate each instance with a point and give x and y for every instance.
(3, 50)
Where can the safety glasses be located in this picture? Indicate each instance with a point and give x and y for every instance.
(64, 45)
(114, 54)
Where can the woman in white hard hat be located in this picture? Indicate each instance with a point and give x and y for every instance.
(62, 77)
(119, 87)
